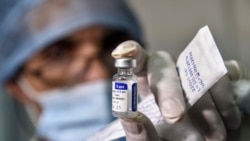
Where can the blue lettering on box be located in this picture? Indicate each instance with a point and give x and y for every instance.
(121, 86)
(134, 97)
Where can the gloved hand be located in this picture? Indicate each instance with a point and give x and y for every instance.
(157, 75)
(240, 77)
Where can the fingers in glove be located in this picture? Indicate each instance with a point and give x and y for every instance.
(181, 131)
(165, 85)
(207, 120)
(236, 71)
(224, 98)
(139, 128)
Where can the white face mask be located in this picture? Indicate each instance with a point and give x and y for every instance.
(72, 113)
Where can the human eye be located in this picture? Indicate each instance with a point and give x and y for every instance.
(54, 53)
(59, 50)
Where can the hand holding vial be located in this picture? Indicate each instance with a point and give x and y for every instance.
(157, 76)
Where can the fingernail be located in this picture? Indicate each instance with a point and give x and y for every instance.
(132, 127)
(125, 49)
(172, 110)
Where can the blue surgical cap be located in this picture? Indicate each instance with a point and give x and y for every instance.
(33, 24)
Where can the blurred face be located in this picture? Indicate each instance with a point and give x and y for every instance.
(80, 58)
(76, 59)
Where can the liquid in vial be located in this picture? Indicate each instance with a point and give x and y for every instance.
(124, 89)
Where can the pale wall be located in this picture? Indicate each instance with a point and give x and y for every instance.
(171, 24)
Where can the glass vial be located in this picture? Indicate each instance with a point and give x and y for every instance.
(124, 89)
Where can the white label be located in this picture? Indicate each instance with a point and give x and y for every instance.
(120, 97)
(200, 66)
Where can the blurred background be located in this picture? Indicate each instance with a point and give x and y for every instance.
(171, 24)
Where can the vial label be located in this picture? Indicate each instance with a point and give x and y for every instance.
(120, 97)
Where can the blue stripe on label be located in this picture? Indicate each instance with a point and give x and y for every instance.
(134, 97)
(121, 86)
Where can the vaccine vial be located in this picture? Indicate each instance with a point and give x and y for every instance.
(124, 89)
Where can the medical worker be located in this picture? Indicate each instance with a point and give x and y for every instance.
(55, 70)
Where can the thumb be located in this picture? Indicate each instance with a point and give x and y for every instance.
(132, 49)
(139, 128)
(236, 71)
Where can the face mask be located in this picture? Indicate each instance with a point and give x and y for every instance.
(71, 113)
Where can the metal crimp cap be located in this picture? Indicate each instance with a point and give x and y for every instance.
(125, 63)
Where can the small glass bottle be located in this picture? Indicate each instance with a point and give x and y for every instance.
(124, 89)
